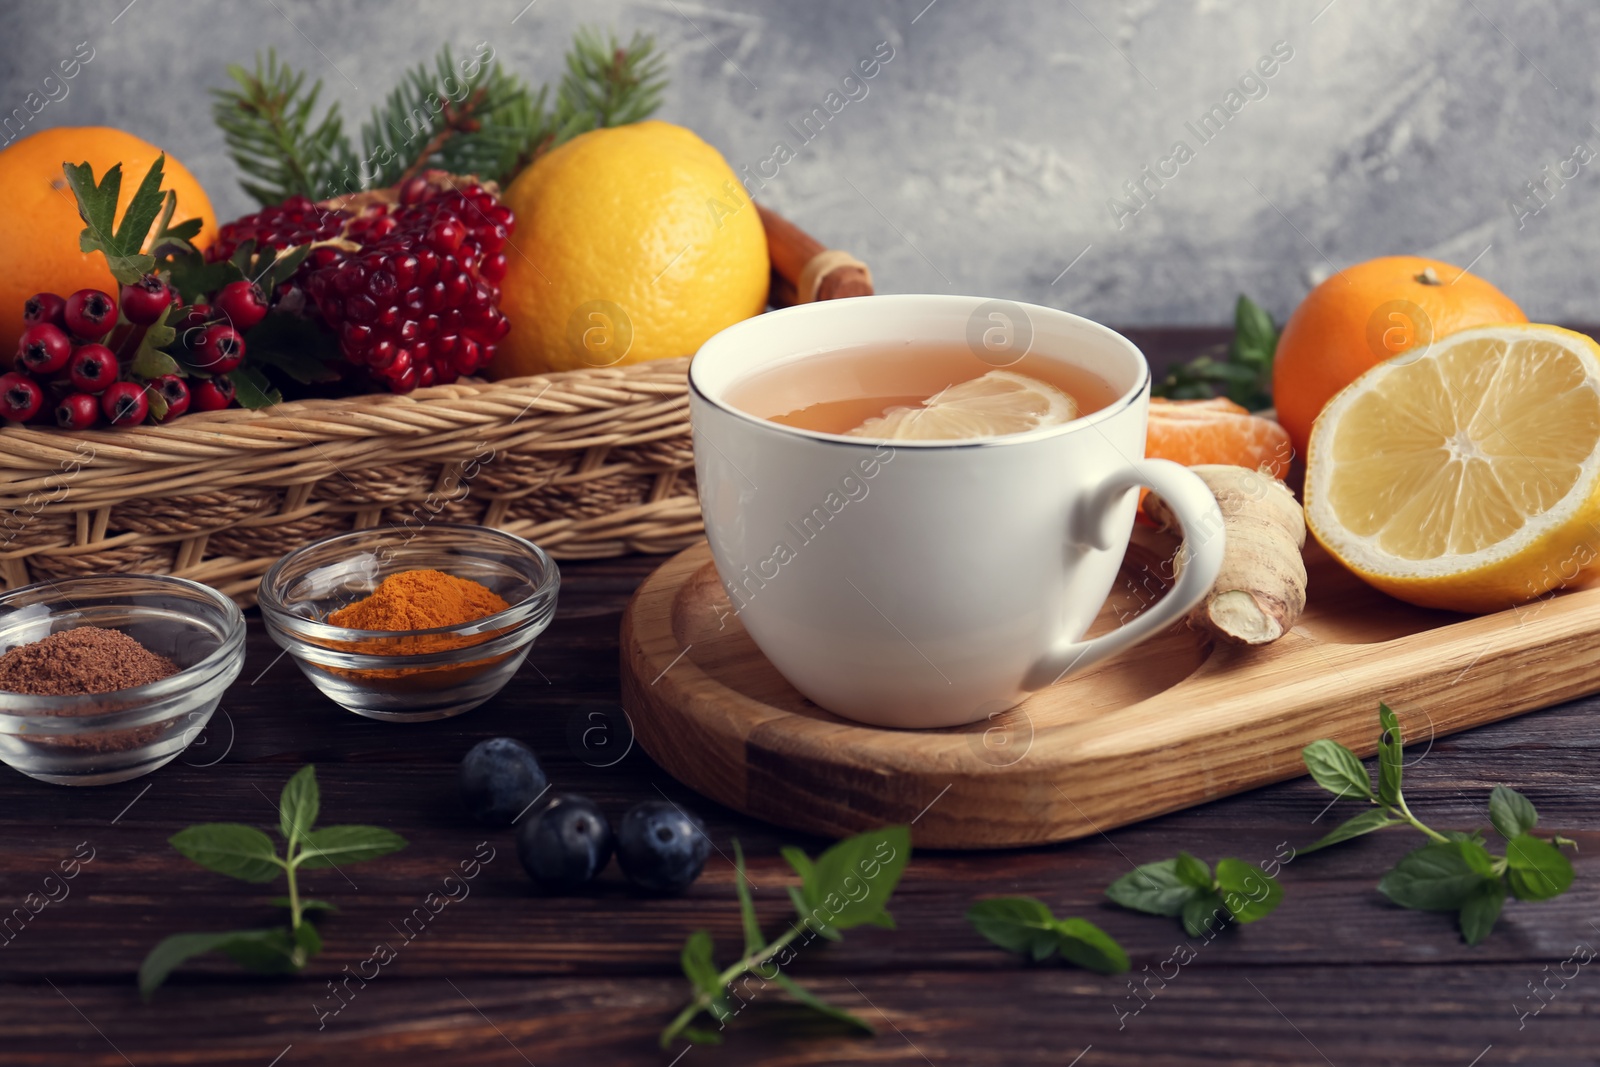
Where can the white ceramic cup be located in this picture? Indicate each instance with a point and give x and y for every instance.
(925, 584)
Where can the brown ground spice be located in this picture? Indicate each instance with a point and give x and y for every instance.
(81, 661)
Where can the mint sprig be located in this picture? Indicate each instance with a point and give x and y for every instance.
(1243, 375)
(1185, 887)
(1455, 872)
(847, 886)
(246, 853)
(1027, 926)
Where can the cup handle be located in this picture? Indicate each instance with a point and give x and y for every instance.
(1199, 560)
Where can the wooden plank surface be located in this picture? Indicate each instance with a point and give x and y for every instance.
(1336, 976)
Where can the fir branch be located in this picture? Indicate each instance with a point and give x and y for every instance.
(470, 117)
(272, 135)
(608, 83)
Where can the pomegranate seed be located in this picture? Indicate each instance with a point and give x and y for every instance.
(493, 268)
(446, 235)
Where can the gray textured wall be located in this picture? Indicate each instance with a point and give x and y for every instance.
(986, 154)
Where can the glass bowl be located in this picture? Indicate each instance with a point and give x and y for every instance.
(409, 675)
(102, 738)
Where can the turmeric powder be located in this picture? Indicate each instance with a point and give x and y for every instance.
(420, 600)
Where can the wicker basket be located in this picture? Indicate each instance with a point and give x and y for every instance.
(589, 464)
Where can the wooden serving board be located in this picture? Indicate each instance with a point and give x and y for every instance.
(1171, 723)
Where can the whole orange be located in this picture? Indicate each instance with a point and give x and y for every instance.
(1364, 315)
(40, 225)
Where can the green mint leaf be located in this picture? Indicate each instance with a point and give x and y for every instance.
(333, 846)
(97, 204)
(1368, 821)
(1436, 877)
(698, 965)
(1192, 871)
(1512, 814)
(1475, 836)
(1249, 892)
(1253, 331)
(1337, 769)
(1203, 912)
(753, 939)
(812, 916)
(817, 1004)
(299, 804)
(307, 905)
(1090, 947)
(252, 389)
(1538, 870)
(172, 952)
(853, 880)
(801, 863)
(1016, 924)
(1391, 756)
(1153, 888)
(308, 941)
(141, 211)
(1480, 910)
(230, 848)
(695, 1036)
(266, 952)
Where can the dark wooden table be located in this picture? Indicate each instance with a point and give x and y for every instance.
(506, 976)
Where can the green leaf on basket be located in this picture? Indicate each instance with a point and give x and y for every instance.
(252, 389)
(230, 848)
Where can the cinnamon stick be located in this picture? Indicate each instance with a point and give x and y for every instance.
(790, 249)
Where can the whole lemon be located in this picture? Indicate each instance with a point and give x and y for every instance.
(632, 243)
(39, 227)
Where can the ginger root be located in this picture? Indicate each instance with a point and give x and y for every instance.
(1261, 589)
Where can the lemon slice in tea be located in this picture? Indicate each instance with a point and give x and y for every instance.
(998, 403)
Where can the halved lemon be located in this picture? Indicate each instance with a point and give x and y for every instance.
(1000, 402)
(1466, 475)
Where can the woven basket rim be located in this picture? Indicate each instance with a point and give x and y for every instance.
(289, 411)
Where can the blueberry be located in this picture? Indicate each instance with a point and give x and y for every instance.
(661, 846)
(566, 844)
(500, 777)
